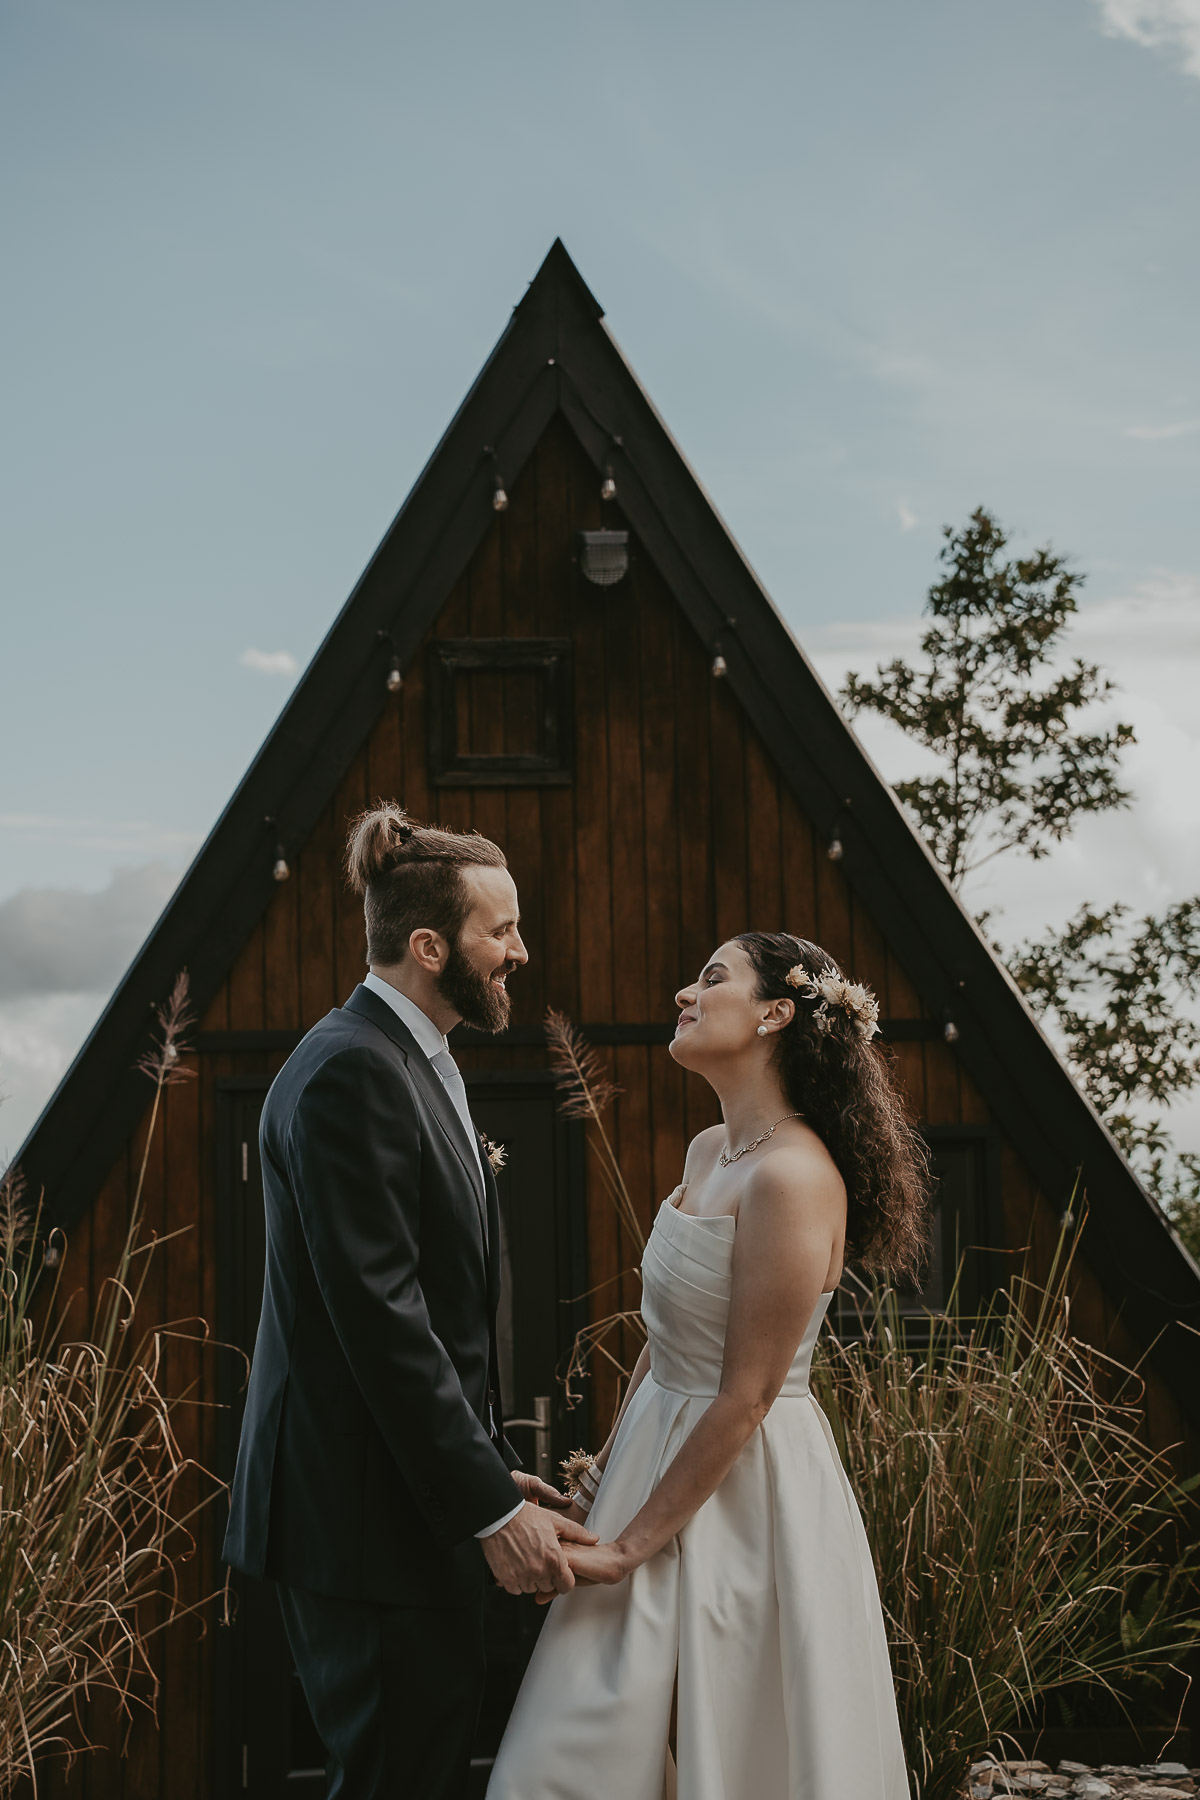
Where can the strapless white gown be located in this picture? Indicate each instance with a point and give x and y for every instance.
(766, 1602)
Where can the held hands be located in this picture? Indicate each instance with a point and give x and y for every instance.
(595, 1564)
(526, 1555)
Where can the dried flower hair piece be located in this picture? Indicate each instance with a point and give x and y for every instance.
(833, 993)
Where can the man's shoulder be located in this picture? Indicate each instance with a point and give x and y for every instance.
(344, 1044)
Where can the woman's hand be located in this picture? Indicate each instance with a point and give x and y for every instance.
(540, 1493)
(595, 1565)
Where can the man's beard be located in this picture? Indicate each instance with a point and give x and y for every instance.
(478, 1001)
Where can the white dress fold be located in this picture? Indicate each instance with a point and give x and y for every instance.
(766, 1603)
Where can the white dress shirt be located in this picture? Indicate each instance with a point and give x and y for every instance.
(432, 1042)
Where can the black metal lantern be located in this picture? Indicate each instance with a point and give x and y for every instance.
(603, 556)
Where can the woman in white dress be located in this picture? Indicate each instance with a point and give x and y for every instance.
(733, 1580)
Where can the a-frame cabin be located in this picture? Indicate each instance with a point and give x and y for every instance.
(649, 806)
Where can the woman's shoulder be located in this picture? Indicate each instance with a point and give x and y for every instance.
(703, 1151)
(798, 1167)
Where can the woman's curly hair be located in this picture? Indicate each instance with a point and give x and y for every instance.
(840, 1081)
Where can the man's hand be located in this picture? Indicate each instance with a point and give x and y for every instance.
(526, 1557)
(532, 1487)
(595, 1564)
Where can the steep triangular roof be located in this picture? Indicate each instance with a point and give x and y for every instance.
(557, 355)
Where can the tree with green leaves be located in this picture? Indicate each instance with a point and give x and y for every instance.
(1017, 773)
(1119, 994)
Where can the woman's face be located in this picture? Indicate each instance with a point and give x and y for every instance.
(721, 1012)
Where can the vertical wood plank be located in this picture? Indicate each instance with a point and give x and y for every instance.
(942, 1101)
(318, 869)
(668, 1139)
(799, 868)
(665, 970)
(727, 782)
(593, 842)
(908, 1072)
(350, 937)
(903, 1001)
(765, 909)
(698, 933)
(833, 908)
(625, 803)
(281, 955)
(417, 796)
(868, 957)
(246, 1005)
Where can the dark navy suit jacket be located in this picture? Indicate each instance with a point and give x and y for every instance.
(367, 1458)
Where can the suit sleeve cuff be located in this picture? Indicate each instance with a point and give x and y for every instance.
(488, 1530)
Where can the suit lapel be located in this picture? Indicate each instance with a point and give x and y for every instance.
(428, 1082)
(493, 1232)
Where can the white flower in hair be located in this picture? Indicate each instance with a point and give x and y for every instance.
(835, 994)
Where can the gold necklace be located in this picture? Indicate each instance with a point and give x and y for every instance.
(726, 1158)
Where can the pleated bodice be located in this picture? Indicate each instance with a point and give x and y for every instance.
(687, 1272)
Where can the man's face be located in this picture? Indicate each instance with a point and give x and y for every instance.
(489, 947)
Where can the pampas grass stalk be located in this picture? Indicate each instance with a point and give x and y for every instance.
(1024, 1534)
(93, 1525)
(586, 1092)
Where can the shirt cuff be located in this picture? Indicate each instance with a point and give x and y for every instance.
(500, 1523)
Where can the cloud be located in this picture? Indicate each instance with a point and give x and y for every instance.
(1171, 25)
(125, 837)
(269, 662)
(1152, 432)
(39, 1036)
(68, 941)
(907, 517)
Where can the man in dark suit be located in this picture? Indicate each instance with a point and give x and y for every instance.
(373, 1476)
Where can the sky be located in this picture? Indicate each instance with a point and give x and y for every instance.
(876, 265)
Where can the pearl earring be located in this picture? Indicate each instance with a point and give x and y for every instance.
(762, 1031)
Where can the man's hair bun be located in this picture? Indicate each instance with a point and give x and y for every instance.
(377, 842)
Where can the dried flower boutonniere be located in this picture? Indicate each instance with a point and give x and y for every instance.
(496, 1154)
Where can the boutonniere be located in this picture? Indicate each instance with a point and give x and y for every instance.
(496, 1154)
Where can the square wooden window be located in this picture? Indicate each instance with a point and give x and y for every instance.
(966, 1223)
(500, 712)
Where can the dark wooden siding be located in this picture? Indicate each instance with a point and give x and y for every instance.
(676, 832)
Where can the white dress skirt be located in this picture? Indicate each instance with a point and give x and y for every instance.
(764, 1608)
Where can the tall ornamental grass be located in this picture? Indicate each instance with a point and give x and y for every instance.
(1026, 1537)
(93, 1516)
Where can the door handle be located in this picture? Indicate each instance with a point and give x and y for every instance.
(540, 1427)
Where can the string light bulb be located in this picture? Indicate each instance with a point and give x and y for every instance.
(720, 667)
(395, 679)
(950, 1032)
(280, 871)
(499, 497)
(836, 850)
(608, 487)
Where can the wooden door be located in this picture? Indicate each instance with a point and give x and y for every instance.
(265, 1743)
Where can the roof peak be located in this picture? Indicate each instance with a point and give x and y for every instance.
(558, 272)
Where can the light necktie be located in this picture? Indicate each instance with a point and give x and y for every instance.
(451, 1079)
